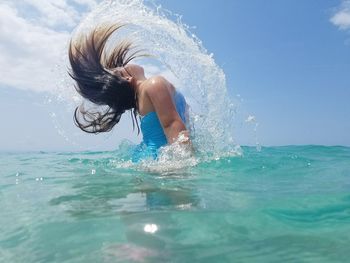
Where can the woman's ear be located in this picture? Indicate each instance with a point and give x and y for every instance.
(131, 80)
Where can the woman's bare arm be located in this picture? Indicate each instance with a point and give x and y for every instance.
(161, 98)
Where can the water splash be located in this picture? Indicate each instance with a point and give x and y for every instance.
(181, 57)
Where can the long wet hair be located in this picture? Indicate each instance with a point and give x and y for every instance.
(93, 69)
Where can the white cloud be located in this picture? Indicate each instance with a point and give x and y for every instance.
(27, 51)
(89, 3)
(33, 43)
(342, 17)
(54, 13)
(33, 39)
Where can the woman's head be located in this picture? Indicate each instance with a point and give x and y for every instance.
(100, 78)
(131, 71)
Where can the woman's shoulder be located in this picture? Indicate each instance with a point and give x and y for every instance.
(157, 84)
(156, 81)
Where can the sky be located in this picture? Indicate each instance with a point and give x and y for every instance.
(288, 62)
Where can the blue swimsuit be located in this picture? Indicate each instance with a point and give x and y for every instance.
(152, 131)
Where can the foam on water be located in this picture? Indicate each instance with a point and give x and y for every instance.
(180, 56)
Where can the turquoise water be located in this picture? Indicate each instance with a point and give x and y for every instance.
(283, 204)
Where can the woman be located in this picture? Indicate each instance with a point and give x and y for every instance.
(108, 79)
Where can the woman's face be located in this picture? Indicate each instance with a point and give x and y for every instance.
(132, 71)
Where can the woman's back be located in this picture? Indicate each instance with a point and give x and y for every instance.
(152, 130)
(144, 102)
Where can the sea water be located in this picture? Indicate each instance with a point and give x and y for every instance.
(282, 204)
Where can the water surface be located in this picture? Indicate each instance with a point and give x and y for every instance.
(281, 204)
